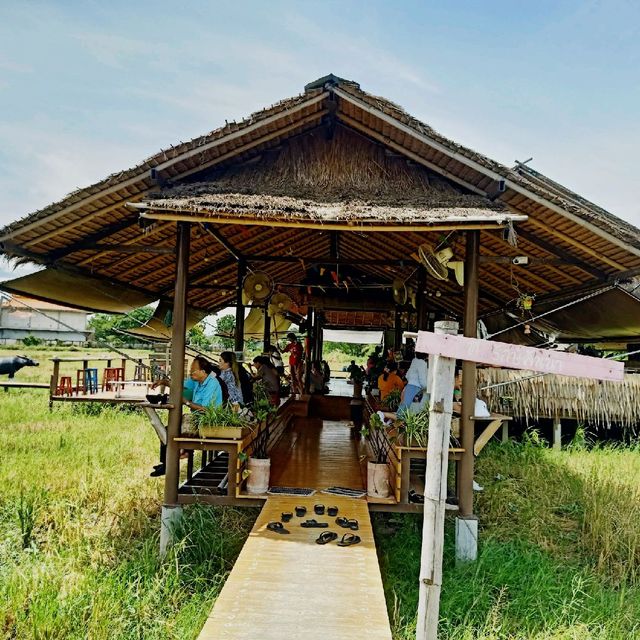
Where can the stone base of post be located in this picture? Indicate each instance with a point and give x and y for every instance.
(169, 519)
(466, 539)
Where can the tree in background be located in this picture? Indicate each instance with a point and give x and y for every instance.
(354, 350)
(225, 326)
(106, 327)
(196, 338)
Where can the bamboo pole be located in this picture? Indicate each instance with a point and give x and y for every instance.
(461, 223)
(435, 491)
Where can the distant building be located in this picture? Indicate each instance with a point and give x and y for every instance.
(21, 317)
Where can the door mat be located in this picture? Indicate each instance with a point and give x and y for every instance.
(344, 491)
(290, 491)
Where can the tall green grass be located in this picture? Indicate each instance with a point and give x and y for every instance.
(79, 523)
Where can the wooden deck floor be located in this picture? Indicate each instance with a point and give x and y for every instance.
(287, 586)
(317, 454)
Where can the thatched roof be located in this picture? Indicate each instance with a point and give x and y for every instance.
(333, 154)
(532, 396)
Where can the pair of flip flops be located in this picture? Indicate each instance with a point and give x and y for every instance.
(345, 523)
(347, 540)
(320, 508)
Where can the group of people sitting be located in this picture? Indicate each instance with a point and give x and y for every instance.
(408, 377)
(230, 382)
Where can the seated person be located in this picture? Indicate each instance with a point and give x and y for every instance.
(200, 390)
(389, 380)
(266, 374)
(230, 373)
(316, 379)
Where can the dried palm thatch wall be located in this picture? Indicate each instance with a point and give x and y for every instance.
(532, 396)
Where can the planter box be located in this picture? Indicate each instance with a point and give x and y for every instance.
(224, 433)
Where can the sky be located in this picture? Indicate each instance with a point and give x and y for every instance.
(91, 88)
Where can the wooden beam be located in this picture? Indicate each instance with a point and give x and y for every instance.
(178, 344)
(330, 260)
(123, 248)
(211, 230)
(159, 213)
(239, 338)
(466, 464)
(576, 243)
(561, 253)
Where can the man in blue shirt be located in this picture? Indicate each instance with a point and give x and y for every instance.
(200, 390)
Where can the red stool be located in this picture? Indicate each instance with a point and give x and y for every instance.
(64, 387)
(111, 375)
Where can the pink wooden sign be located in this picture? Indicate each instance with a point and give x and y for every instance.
(516, 356)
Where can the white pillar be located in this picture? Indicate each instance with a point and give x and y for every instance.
(557, 433)
(466, 539)
(169, 519)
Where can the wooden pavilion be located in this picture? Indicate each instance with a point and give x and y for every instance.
(334, 194)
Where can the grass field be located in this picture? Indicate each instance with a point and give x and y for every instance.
(559, 556)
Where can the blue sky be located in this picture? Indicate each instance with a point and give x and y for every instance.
(90, 88)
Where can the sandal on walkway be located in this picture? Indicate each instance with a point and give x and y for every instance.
(345, 523)
(277, 527)
(348, 539)
(314, 524)
(332, 511)
(318, 509)
(285, 516)
(301, 511)
(327, 536)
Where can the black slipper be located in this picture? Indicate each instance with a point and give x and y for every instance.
(318, 509)
(327, 536)
(348, 539)
(285, 516)
(277, 527)
(301, 511)
(332, 511)
(345, 523)
(314, 524)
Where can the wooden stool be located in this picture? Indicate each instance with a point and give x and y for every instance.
(111, 375)
(141, 372)
(64, 387)
(86, 381)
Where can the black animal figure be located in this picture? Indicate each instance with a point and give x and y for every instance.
(11, 365)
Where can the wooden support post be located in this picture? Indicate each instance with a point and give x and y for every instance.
(266, 337)
(242, 270)
(421, 299)
(465, 466)
(307, 350)
(557, 433)
(55, 377)
(435, 491)
(170, 509)
(505, 432)
(397, 330)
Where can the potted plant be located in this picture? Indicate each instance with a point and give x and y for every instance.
(258, 463)
(414, 428)
(392, 400)
(377, 469)
(221, 422)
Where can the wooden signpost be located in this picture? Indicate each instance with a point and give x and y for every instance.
(446, 346)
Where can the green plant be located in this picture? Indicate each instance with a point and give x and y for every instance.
(262, 411)
(31, 341)
(221, 416)
(376, 433)
(392, 400)
(415, 427)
